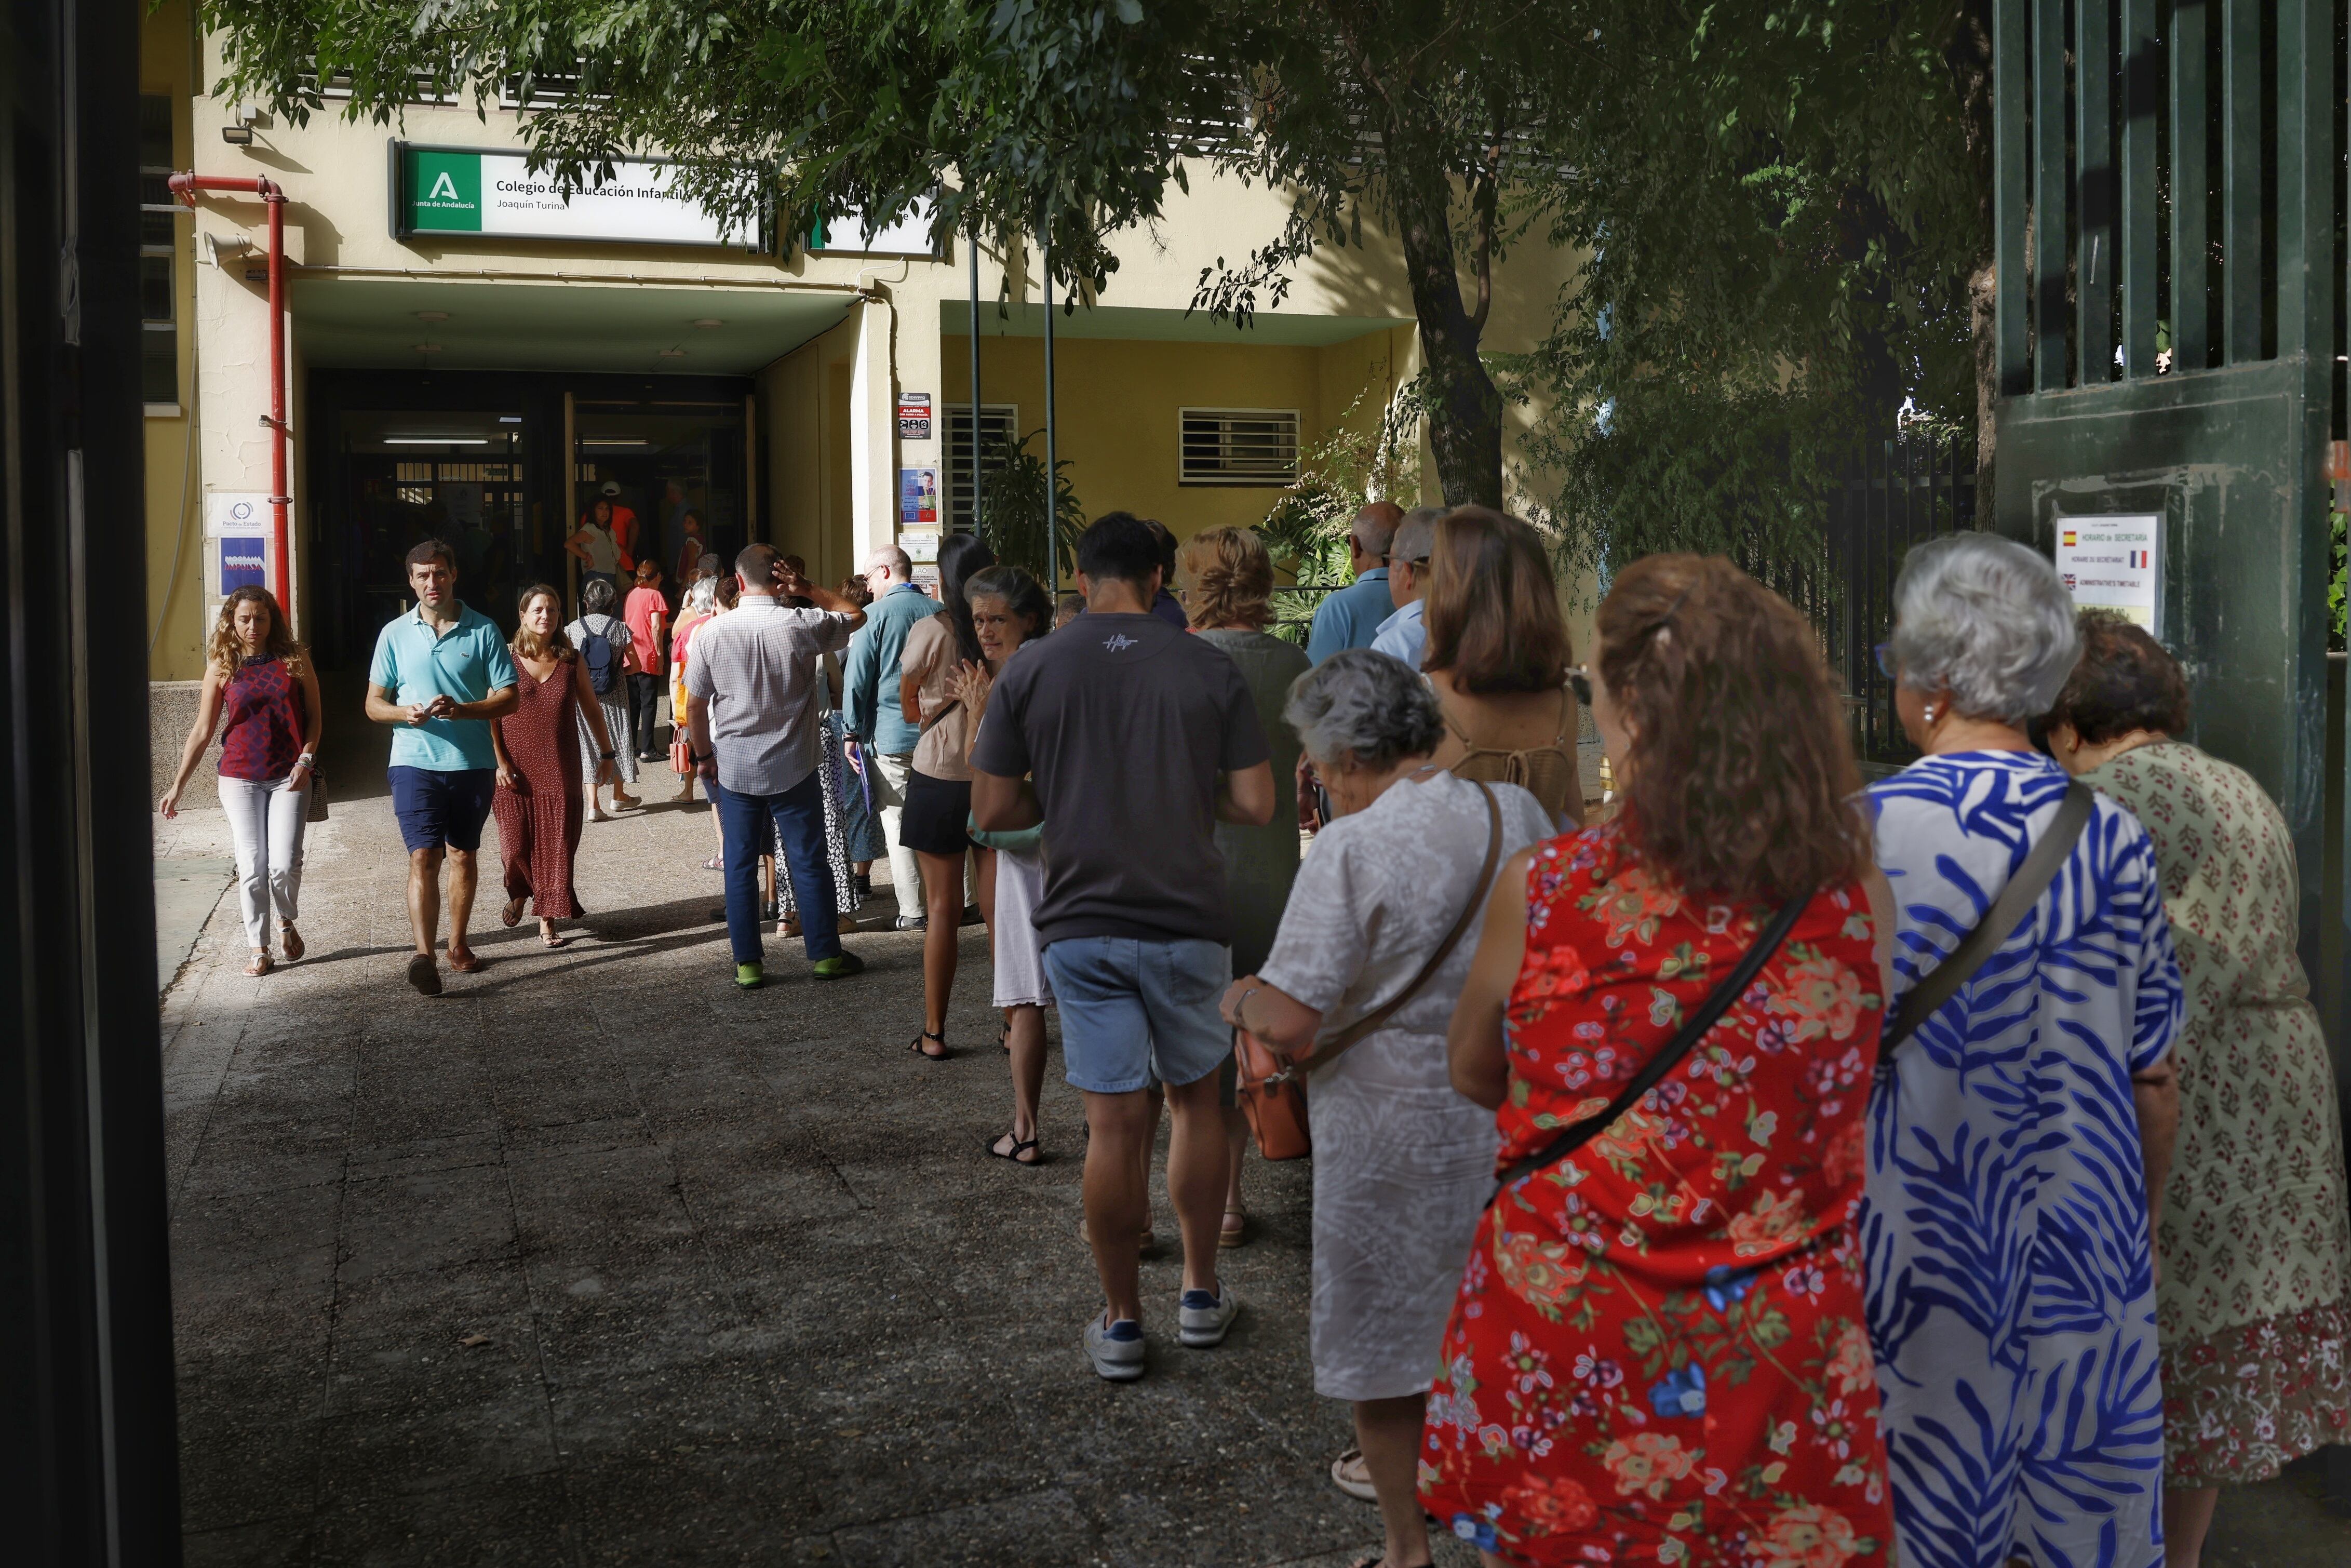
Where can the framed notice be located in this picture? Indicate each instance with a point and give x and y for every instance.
(926, 578)
(923, 546)
(2115, 562)
(918, 496)
(914, 416)
(464, 191)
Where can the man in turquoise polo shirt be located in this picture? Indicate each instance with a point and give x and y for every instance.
(870, 708)
(440, 674)
(1351, 617)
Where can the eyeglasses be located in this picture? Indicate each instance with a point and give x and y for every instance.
(1885, 665)
(1579, 680)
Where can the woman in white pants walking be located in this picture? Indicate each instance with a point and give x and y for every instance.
(261, 680)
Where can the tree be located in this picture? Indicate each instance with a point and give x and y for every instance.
(1064, 119)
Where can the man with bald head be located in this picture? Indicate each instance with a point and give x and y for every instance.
(1351, 617)
(869, 706)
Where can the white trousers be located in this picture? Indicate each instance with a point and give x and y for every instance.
(265, 822)
(891, 771)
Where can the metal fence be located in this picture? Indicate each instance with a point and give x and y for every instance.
(1913, 487)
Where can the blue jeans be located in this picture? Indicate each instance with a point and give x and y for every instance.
(1131, 1009)
(798, 817)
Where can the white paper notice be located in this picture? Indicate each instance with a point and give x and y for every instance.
(2115, 563)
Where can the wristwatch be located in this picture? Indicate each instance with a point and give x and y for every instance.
(605, 756)
(700, 756)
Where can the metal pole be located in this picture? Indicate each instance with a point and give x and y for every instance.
(975, 377)
(1052, 472)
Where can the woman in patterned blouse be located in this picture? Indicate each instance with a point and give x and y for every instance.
(2017, 1136)
(2254, 1305)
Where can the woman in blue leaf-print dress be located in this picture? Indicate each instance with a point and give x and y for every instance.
(2016, 1137)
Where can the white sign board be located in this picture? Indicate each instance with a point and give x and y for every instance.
(2115, 562)
(468, 190)
(236, 513)
(847, 235)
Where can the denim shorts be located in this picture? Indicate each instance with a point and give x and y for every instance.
(1132, 1009)
(436, 807)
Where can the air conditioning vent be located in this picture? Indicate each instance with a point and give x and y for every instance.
(1240, 446)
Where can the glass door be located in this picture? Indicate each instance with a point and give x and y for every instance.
(659, 464)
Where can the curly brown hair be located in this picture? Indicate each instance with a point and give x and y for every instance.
(1232, 578)
(1493, 612)
(227, 648)
(2124, 681)
(1740, 782)
(528, 645)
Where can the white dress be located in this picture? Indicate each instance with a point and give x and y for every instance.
(1020, 959)
(1402, 1164)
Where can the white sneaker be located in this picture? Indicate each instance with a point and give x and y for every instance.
(1204, 1316)
(1115, 1348)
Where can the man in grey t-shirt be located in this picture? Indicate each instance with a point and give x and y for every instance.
(1140, 739)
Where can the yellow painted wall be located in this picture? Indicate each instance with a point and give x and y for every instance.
(1118, 402)
(174, 522)
(804, 405)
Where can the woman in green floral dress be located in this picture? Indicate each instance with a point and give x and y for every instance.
(2254, 1305)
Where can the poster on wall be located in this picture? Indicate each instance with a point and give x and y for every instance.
(232, 513)
(918, 496)
(926, 578)
(923, 546)
(240, 561)
(2115, 562)
(914, 416)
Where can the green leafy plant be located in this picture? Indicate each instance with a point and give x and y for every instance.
(1012, 510)
(1358, 459)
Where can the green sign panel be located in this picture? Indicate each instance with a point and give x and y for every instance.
(444, 192)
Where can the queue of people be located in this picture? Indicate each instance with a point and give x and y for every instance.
(1776, 1171)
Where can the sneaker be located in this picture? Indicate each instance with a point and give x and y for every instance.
(912, 923)
(1204, 1316)
(840, 966)
(1115, 1348)
(971, 915)
(750, 977)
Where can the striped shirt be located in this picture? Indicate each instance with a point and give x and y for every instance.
(756, 667)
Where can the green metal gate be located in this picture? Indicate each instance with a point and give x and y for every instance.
(2166, 184)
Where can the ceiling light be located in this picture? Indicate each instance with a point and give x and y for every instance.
(436, 441)
(614, 441)
(672, 354)
(428, 348)
(509, 419)
(708, 321)
(433, 315)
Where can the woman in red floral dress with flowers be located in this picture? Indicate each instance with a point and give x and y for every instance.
(1658, 1353)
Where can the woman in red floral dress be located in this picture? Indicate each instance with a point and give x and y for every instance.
(538, 797)
(1658, 1353)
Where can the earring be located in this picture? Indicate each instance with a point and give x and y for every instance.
(1929, 715)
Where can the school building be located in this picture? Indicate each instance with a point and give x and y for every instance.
(459, 351)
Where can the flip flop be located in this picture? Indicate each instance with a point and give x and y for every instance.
(1020, 1147)
(555, 939)
(512, 914)
(290, 940)
(259, 965)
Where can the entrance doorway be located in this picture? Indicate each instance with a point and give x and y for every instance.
(412, 477)
(660, 462)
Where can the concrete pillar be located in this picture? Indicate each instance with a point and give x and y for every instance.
(872, 430)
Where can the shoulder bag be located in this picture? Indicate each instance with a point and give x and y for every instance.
(1718, 1002)
(1271, 1087)
(2023, 891)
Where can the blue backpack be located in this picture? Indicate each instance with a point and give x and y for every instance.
(596, 652)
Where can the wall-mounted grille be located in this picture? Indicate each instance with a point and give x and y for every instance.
(1239, 447)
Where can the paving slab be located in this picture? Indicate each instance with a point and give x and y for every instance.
(596, 1261)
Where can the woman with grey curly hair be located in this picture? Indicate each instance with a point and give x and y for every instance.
(2020, 1136)
(1402, 1162)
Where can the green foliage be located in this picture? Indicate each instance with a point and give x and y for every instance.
(2336, 575)
(1780, 207)
(1354, 462)
(1012, 510)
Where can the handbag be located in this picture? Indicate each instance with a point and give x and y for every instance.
(317, 810)
(1271, 1088)
(1718, 1002)
(681, 752)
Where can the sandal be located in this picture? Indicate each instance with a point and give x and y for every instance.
(466, 962)
(1351, 1476)
(555, 939)
(259, 965)
(1020, 1147)
(512, 914)
(919, 1049)
(1229, 1233)
(1004, 1038)
(713, 863)
(291, 941)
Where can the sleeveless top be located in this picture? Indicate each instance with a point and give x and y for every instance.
(263, 733)
(1549, 773)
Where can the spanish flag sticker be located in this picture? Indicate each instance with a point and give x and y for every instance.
(2069, 537)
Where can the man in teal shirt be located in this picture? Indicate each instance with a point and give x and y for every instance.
(869, 706)
(440, 674)
(1351, 617)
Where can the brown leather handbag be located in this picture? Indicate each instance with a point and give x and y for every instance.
(1271, 1087)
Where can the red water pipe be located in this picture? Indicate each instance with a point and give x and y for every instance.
(186, 187)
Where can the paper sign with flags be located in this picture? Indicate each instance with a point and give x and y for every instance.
(2115, 563)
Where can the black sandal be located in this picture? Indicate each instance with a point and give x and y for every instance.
(1020, 1147)
(1004, 1037)
(915, 1045)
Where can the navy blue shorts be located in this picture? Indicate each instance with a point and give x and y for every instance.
(436, 807)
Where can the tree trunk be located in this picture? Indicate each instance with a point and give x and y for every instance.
(1983, 295)
(1464, 423)
(1969, 56)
